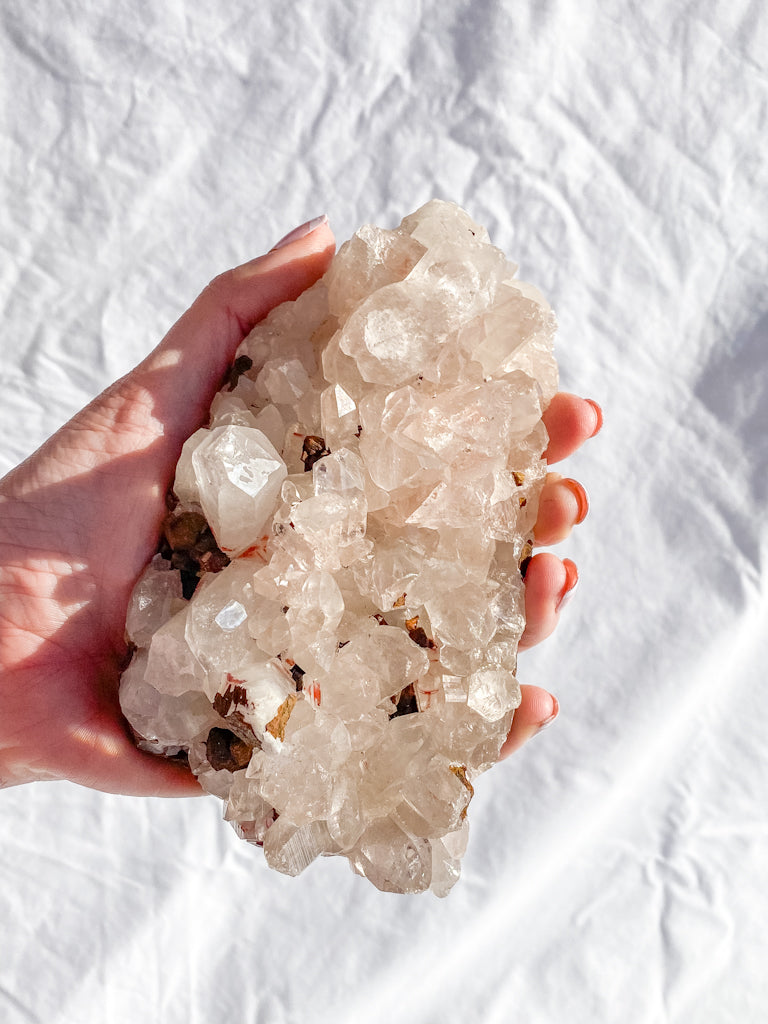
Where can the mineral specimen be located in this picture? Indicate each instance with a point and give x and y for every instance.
(329, 631)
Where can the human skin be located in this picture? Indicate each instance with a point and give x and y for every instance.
(80, 518)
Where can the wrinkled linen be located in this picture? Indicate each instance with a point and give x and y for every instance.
(617, 867)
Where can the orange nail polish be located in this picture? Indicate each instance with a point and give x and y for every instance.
(552, 717)
(598, 416)
(580, 495)
(571, 582)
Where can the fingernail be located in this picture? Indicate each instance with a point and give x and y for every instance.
(580, 495)
(552, 717)
(598, 416)
(571, 582)
(301, 231)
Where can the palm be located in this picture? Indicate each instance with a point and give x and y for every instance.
(81, 518)
(80, 521)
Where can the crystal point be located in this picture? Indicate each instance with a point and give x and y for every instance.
(238, 475)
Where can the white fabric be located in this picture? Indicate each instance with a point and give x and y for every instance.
(618, 866)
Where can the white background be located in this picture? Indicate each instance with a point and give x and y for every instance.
(618, 867)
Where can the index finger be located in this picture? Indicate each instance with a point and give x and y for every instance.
(570, 421)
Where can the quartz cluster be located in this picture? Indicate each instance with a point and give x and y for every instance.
(329, 630)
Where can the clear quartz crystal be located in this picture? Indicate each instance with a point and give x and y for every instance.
(154, 599)
(238, 474)
(371, 471)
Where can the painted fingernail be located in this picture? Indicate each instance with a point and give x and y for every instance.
(552, 717)
(580, 495)
(598, 415)
(571, 582)
(301, 231)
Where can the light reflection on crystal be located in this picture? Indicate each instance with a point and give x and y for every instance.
(231, 616)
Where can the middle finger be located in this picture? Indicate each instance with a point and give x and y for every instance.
(563, 504)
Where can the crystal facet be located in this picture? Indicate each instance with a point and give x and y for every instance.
(329, 631)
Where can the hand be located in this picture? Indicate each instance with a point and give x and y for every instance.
(80, 518)
(570, 421)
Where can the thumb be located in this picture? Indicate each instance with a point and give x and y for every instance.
(186, 369)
